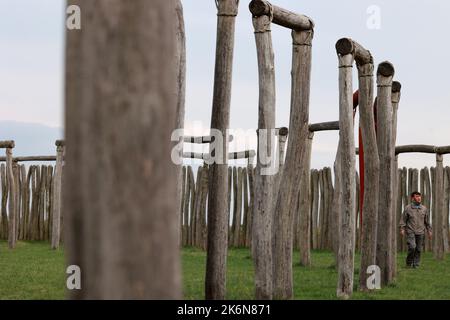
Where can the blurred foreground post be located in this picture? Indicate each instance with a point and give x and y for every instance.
(120, 183)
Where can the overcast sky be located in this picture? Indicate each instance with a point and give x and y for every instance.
(412, 35)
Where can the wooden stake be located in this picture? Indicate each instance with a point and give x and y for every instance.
(371, 172)
(286, 202)
(347, 168)
(12, 199)
(439, 249)
(305, 206)
(315, 207)
(56, 214)
(264, 183)
(385, 73)
(121, 220)
(216, 261)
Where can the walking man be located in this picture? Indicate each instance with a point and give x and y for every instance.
(414, 222)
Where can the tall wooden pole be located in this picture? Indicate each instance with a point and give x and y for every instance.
(386, 151)
(264, 183)
(335, 211)
(120, 109)
(180, 67)
(216, 260)
(371, 172)
(4, 200)
(286, 202)
(305, 206)
(56, 208)
(395, 98)
(315, 207)
(438, 248)
(12, 238)
(446, 212)
(347, 184)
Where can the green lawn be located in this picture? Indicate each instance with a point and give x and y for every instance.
(33, 271)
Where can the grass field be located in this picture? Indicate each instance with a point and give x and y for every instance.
(33, 271)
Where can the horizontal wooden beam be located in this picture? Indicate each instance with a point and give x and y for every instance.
(231, 156)
(324, 126)
(419, 148)
(422, 148)
(282, 17)
(196, 155)
(7, 144)
(202, 139)
(242, 154)
(346, 46)
(31, 158)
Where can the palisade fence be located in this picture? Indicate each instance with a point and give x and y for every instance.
(34, 211)
(193, 204)
(31, 196)
(35, 194)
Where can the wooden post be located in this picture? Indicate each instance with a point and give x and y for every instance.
(395, 99)
(4, 212)
(191, 206)
(328, 218)
(216, 261)
(406, 198)
(187, 201)
(264, 183)
(305, 206)
(399, 211)
(446, 209)
(183, 201)
(12, 199)
(357, 226)
(233, 218)
(322, 224)
(410, 187)
(120, 106)
(315, 207)
(34, 202)
(346, 161)
(20, 200)
(50, 202)
(42, 201)
(16, 199)
(246, 213)
(237, 234)
(230, 192)
(57, 181)
(251, 187)
(433, 207)
(426, 195)
(202, 215)
(23, 192)
(369, 209)
(198, 206)
(237, 208)
(386, 152)
(286, 202)
(438, 248)
(180, 67)
(282, 138)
